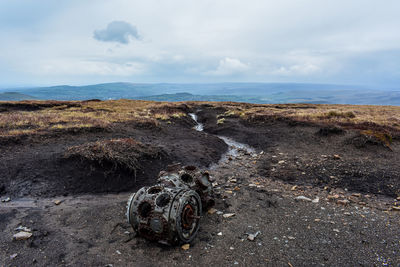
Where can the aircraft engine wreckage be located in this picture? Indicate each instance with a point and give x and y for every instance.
(170, 211)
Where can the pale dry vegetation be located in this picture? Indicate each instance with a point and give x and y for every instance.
(40, 117)
(344, 115)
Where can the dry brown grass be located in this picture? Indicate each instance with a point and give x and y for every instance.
(122, 153)
(358, 117)
(41, 117)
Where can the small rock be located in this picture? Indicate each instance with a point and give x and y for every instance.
(214, 184)
(13, 255)
(336, 157)
(231, 248)
(356, 195)
(343, 202)
(185, 247)
(228, 215)
(398, 198)
(57, 202)
(317, 220)
(8, 199)
(229, 192)
(233, 180)
(291, 237)
(118, 252)
(219, 212)
(396, 208)
(22, 235)
(315, 200)
(347, 213)
(281, 162)
(302, 198)
(336, 230)
(251, 237)
(211, 211)
(331, 197)
(220, 233)
(293, 188)
(23, 228)
(236, 263)
(237, 188)
(252, 185)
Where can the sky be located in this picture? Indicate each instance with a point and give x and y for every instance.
(47, 42)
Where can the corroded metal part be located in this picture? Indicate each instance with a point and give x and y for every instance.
(190, 177)
(170, 211)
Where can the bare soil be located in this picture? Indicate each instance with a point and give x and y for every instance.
(353, 183)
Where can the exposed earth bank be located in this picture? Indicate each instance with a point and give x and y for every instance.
(317, 195)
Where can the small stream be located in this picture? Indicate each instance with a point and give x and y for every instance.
(234, 148)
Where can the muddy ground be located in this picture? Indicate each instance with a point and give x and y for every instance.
(350, 222)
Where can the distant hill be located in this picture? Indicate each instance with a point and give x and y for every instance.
(237, 92)
(190, 97)
(13, 96)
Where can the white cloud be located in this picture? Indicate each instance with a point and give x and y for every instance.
(303, 69)
(229, 66)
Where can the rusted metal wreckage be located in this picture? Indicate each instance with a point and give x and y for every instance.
(170, 211)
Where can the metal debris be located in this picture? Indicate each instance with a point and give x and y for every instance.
(169, 212)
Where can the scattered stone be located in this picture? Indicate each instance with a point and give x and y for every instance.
(23, 228)
(8, 199)
(231, 248)
(22, 235)
(118, 252)
(252, 185)
(211, 211)
(237, 188)
(228, 215)
(13, 255)
(347, 213)
(293, 188)
(396, 208)
(185, 246)
(343, 202)
(236, 263)
(398, 198)
(336, 230)
(233, 180)
(303, 198)
(251, 237)
(317, 220)
(219, 212)
(315, 200)
(356, 195)
(220, 233)
(57, 202)
(362, 203)
(214, 183)
(229, 192)
(331, 197)
(281, 162)
(291, 237)
(336, 157)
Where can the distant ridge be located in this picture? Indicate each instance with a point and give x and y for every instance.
(14, 96)
(236, 92)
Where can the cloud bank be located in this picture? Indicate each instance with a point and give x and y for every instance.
(332, 41)
(117, 31)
